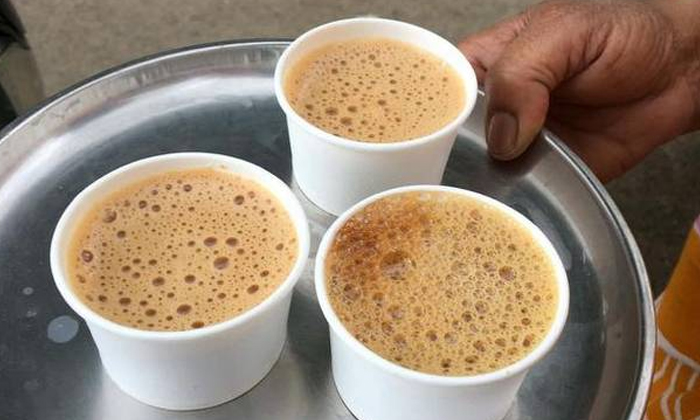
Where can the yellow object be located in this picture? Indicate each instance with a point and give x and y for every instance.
(675, 390)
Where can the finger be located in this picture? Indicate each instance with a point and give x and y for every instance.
(613, 139)
(630, 61)
(546, 52)
(606, 158)
(483, 48)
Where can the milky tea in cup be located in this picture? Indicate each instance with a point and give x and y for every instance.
(380, 101)
(181, 250)
(441, 283)
(376, 90)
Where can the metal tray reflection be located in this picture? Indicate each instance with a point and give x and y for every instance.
(219, 98)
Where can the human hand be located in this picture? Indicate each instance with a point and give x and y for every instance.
(614, 79)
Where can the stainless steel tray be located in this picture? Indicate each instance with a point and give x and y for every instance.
(219, 98)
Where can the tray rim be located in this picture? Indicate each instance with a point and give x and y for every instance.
(636, 407)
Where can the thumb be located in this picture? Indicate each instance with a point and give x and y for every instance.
(550, 49)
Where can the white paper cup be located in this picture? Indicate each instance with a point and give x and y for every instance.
(192, 369)
(335, 172)
(374, 388)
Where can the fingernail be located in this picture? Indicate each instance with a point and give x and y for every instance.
(502, 135)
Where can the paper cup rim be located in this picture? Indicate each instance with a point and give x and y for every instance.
(262, 176)
(511, 370)
(466, 73)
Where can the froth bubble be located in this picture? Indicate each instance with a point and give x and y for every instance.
(221, 263)
(158, 281)
(396, 312)
(124, 301)
(396, 265)
(109, 216)
(184, 309)
(86, 256)
(400, 340)
(506, 273)
(351, 292)
(252, 289)
(210, 241)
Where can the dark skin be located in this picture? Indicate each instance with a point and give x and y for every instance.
(614, 79)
